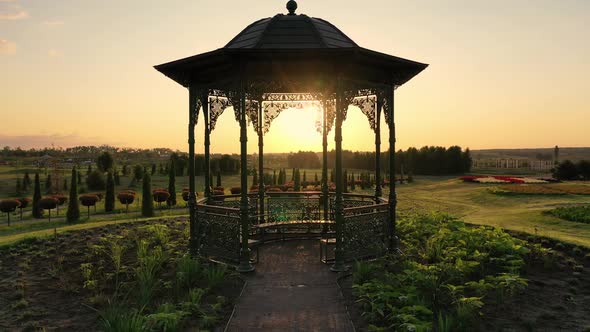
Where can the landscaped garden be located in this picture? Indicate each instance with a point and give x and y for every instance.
(451, 276)
(123, 277)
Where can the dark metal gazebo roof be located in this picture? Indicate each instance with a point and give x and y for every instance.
(294, 47)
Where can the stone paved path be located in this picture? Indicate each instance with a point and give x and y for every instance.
(291, 291)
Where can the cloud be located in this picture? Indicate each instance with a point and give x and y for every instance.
(7, 47)
(53, 23)
(55, 53)
(11, 11)
(57, 140)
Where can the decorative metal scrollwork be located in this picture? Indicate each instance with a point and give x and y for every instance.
(368, 106)
(273, 109)
(216, 108)
(252, 113)
(329, 106)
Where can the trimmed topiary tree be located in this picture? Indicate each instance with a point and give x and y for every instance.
(161, 196)
(109, 198)
(126, 197)
(48, 203)
(88, 201)
(73, 214)
(8, 206)
(147, 205)
(48, 184)
(37, 211)
(297, 181)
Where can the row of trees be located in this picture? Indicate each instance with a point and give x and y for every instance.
(428, 160)
(568, 170)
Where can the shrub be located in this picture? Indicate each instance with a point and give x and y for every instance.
(126, 198)
(95, 180)
(105, 162)
(235, 190)
(171, 185)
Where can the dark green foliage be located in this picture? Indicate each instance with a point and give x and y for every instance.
(37, 210)
(96, 180)
(293, 175)
(584, 169)
(147, 203)
(153, 169)
(218, 184)
(48, 184)
(79, 178)
(117, 178)
(304, 178)
(255, 178)
(274, 177)
(65, 185)
(89, 170)
(26, 182)
(316, 180)
(345, 181)
(125, 170)
(180, 163)
(447, 268)
(297, 180)
(567, 170)
(137, 172)
(73, 214)
(171, 184)
(105, 162)
(109, 198)
(304, 159)
(573, 213)
(352, 183)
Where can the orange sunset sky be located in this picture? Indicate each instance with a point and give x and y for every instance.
(503, 74)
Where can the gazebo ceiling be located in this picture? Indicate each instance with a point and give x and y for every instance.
(291, 52)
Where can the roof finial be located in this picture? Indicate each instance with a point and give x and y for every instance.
(292, 7)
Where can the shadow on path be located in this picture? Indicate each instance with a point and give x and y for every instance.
(291, 290)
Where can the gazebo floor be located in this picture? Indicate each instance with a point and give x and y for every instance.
(291, 290)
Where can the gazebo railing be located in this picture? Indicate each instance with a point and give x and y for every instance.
(220, 231)
(364, 231)
(293, 206)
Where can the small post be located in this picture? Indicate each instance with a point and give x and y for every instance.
(192, 198)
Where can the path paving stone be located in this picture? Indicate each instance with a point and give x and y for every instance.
(291, 290)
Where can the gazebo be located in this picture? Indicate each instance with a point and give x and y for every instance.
(291, 61)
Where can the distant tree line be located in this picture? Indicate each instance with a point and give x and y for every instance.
(428, 160)
(568, 170)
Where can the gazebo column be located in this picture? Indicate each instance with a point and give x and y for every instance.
(245, 265)
(338, 204)
(378, 188)
(206, 115)
(261, 188)
(325, 187)
(192, 197)
(392, 194)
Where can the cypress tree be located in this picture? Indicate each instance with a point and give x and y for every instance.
(304, 178)
(79, 178)
(293, 175)
(26, 181)
(89, 169)
(37, 211)
(125, 170)
(117, 178)
(172, 184)
(345, 182)
(147, 203)
(218, 179)
(65, 187)
(109, 198)
(274, 177)
(352, 184)
(73, 214)
(19, 187)
(297, 181)
(153, 169)
(316, 179)
(332, 176)
(48, 184)
(255, 178)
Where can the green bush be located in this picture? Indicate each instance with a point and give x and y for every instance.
(573, 213)
(448, 268)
